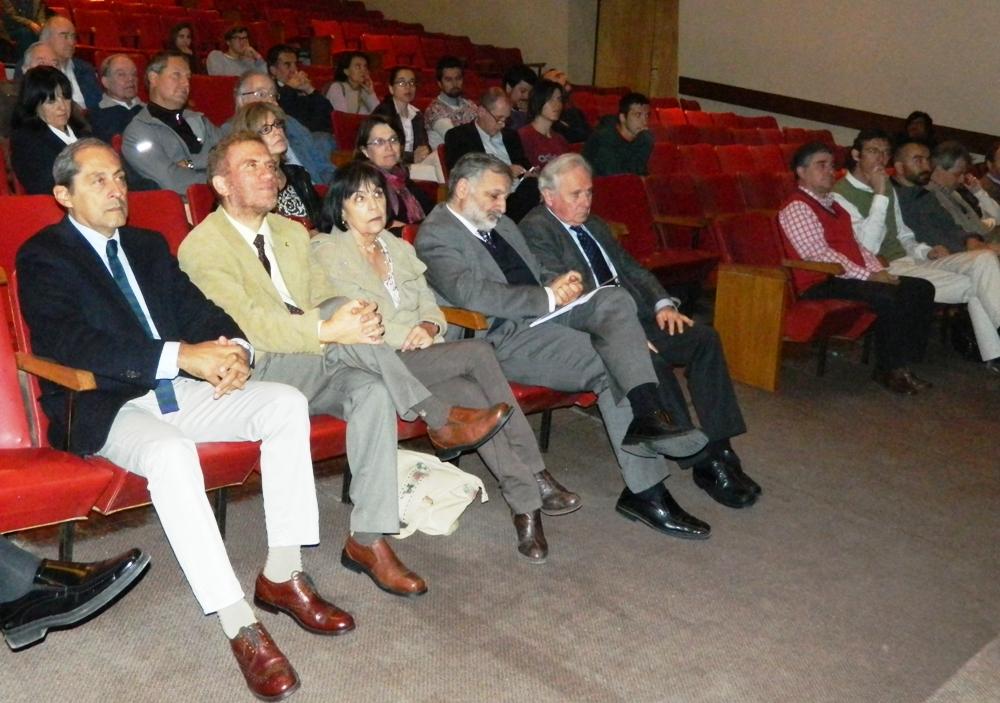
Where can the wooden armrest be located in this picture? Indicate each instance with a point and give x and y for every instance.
(679, 221)
(817, 266)
(65, 376)
(469, 319)
(618, 229)
(342, 157)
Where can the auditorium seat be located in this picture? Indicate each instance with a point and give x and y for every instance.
(683, 134)
(699, 119)
(714, 135)
(769, 157)
(766, 190)
(735, 158)
(677, 207)
(746, 136)
(161, 211)
(700, 159)
(665, 158)
(671, 116)
(213, 96)
(720, 194)
(771, 135)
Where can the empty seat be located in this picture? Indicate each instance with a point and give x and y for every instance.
(769, 157)
(735, 158)
(766, 190)
(700, 159)
(699, 119)
(665, 158)
(671, 116)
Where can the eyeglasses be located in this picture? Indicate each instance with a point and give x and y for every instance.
(404, 83)
(876, 151)
(266, 129)
(380, 142)
(262, 94)
(499, 119)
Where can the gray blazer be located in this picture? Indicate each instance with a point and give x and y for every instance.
(155, 150)
(463, 273)
(557, 252)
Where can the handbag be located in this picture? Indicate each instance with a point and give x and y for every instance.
(433, 494)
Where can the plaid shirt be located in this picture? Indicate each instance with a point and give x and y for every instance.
(805, 232)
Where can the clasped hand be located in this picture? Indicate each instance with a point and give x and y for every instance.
(354, 322)
(566, 288)
(221, 362)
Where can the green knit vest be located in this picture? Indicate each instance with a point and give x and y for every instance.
(891, 249)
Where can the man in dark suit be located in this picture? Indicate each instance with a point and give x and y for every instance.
(489, 134)
(60, 34)
(171, 370)
(564, 235)
(476, 258)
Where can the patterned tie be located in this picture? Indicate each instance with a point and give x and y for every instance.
(258, 242)
(595, 257)
(164, 390)
(488, 239)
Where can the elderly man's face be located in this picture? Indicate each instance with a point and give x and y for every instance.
(170, 87)
(493, 119)
(257, 89)
(819, 174)
(913, 164)
(122, 81)
(484, 201)
(62, 38)
(42, 55)
(97, 197)
(951, 178)
(572, 197)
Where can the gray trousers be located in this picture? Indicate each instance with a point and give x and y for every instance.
(598, 346)
(367, 386)
(17, 570)
(466, 373)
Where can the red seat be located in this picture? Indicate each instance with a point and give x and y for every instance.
(787, 152)
(345, 128)
(714, 135)
(735, 158)
(796, 135)
(201, 201)
(727, 119)
(23, 216)
(768, 157)
(671, 116)
(700, 159)
(766, 190)
(677, 207)
(699, 119)
(683, 134)
(623, 199)
(771, 135)
(213, 95)
(99, 28)
(761, 122)
(665, 158)
(720, 194)
(161, 211)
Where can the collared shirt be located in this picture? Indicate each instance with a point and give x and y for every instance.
(167, 366)
(474, 231)
(660, 304)
(67, 137)
(109, 101)
(249, 235)
(494, 145)
(871, 231)
(406, 115)
(67, 69)
(806, 234)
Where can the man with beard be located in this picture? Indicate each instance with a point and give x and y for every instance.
(449, 109)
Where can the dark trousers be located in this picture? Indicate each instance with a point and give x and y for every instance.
(17, 570)
(904, 315)
(699, 351)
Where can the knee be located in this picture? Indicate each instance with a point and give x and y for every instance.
(479, 350)
(172, 463)
(285, 401)
(617, 299)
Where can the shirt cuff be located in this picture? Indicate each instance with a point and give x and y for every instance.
(246, 345)
(167, 368)
(665, 303)
(552, 298)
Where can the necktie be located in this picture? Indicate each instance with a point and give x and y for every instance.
(164, 389)
(258, 242)
(488, 239)
(595, 257)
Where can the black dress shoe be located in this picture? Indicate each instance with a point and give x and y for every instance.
(734, 463)
(719, 480)
(898, 381)
(64, 593)
(658, 509)
(531, 542)
(658, 433)
(556, 500)
(921, 384)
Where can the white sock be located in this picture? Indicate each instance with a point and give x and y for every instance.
(235, 616)
(282, 562)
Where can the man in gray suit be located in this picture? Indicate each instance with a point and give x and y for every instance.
(564, 235)
(478, 259)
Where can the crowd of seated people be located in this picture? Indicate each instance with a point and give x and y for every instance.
(339, 315)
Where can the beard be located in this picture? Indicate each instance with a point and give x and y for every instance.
(481, 219)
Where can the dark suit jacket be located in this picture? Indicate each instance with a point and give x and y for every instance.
(557, 252)
(78, 317)
(387, 108)
(33, 150)
(312, 110)
(86, 77)
(465, 139)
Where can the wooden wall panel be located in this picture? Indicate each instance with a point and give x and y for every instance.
(637, 45)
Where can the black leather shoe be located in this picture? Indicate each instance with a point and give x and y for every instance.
(718, 479)
(531, 542)
(661, 512)
(921, 384)
(658, 433)
(556, 500)
(734, 463)
(64, 593)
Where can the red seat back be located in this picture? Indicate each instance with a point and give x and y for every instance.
(700, 159)
(768, 157)
(683, 134)
(714, 135)
(213, 95)
(665, 158)
(161, 211)
(735, 158)
(23, 216)
(720, 194)
(345, 128)
(14, 430)
(699, 119)
(671, 116)
(622, 198)
(771, 135)
(750, 238)
(766, 190)
(201, 201)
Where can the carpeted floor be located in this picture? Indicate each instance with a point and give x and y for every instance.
(868, 572)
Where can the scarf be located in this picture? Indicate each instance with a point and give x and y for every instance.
(396, 179)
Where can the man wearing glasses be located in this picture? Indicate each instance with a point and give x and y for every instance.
(166, 142)
(238, 58)
(489, 134)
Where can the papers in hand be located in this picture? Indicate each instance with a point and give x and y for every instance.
(569, 306)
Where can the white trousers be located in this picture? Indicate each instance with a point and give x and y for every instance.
(162, 449)
(971, 277)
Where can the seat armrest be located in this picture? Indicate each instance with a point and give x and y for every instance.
(65, 376)
(818, 266)
(469, 319)
(680, 221)
(618, 229)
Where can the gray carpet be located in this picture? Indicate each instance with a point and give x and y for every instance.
(868, 572)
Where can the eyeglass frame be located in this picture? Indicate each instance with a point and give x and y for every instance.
(266, 129)
(382, 141)
(259, 93)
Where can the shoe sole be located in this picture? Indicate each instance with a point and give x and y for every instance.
(533, 560)
(635, 517)
(678, 446)
(284, 694)
(561, 511)
(709, 487)
(19, 637)
(274, 609)
(453, 452)
(357, 568)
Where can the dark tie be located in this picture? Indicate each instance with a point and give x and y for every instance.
(488, 239)
(514, 268)
(595, 257)
(258, 242)
(164, 389)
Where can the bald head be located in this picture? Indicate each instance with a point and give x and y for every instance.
(60, 34)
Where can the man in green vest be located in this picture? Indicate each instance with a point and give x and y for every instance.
(866, 192)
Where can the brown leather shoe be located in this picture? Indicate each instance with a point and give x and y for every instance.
(898, 381)
(531, 542)
(382, 565)
(268, 673)
(556, 500)
(298, 597)
(467, 428)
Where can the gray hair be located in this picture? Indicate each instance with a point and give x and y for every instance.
(106, 63)
(46, 32)
(947, 154)
(246, 76)
(65, 167)
(492, 96)
(548, 179)
(159, 62)
(28, 54)
(472, 166)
